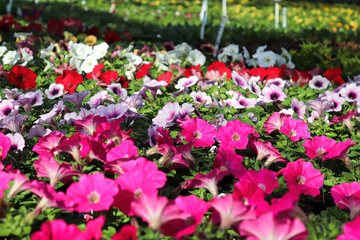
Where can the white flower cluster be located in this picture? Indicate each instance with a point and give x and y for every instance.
(85, 57)
(261, 58)
(11, 57)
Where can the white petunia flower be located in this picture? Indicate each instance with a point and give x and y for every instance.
(2, 50)
(134, 59)
(100, 50)
(11, 57)
(266, 59)
(26, 57)
(88, 65)
(196, 57)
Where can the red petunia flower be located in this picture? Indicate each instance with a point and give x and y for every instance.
(23, 77)
(221, 68)
(111, 37)
(109, 77)
(145, 69)
(92, 31)
(334, 75)
(166, 77)
(70, 80)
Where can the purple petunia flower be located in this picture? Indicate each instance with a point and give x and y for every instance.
(77, 98)
(30, 99)
(318, 82)
(54, 91)
(273, 94)
(335, 99)
(298, 107)
(7, 107)
(351, 92)
(116, 89)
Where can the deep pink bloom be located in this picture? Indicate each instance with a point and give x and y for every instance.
(319, 146)
(157, 211)
(295, 129)
(5, 178)
(264, 179)
(339, 151)
(229, 211)
(351, 230)
(228, 160)
(275, 121)
(345, 119)
(235, 134)
(5, 144)
(127, 232)
(273, 228)
(48, 167)
(195, 210)
(347, 196)
(93, 229)
(125, 151)
(93, 192)
(198, 131)
(89, 124)
(140, 177)
(261, 149)
(250, 194)
(208, 181)
(302, 175)
(57, 230)
(77, 145)
(48, 143)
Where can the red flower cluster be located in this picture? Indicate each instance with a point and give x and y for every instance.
(145, 69)
(70, 80)
(6, 22)
(23, 77)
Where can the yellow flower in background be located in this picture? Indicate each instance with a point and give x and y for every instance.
(73, 38)
(0, 38)
(67, 36)
(347, 27)
(90, 40)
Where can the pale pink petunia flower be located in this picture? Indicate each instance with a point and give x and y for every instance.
(298, 107)
(273, 94)
(54, 91)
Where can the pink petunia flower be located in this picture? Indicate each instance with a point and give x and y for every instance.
(275, 121)
(273, 93)
(295, 129)
(5, 144)
(279, 229)
(319, 146)
(345, 119)
(264, 179)
(57, 230)
(235, 134)
(127, 232)
(300, 174)
(93, 192)
(351, 230)
(198, 131)
(250, 194)
(48, 143)
(347, 196)
(229, 211)
(339, 151)
(229, 160)
(208, 181)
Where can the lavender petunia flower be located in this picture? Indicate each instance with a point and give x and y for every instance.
(17, 141)
(351, 92)
(113, 111)
(186, 82)
(116, 89)
(70, 119)
(273, 94)
(335, 99)
(200, 97)
(320, 106)
(7, 107)
(167, 115)
(134, 102)
(54, 91)
(315, 117)
(77, 98)
(13, 122)
(12, 93)
(298, 107)
(239, 80)
(99, 98)
(246, 102)
(276, 81)
(31, 99)
(38, 131)
(318, 82)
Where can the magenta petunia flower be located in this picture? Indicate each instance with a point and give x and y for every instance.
(48, 143)
(295, 129)
(345, 119)
(93, 192)
(273, 93)
(319, 146)
(250, 194)
(339, 151)
(5, 178)
(194, 209)
(275, 121)
(347, 196)
(77, 145)
(300, 174)
(125, 151)
(351, 230)
(264, 179)
(279, 229)
(57, 230)
(235, 134)
(198, 132)
(229, 160)
(208, 181)
(229, 212)
(5, 144)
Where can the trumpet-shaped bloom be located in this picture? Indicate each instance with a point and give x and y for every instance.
(351, 230)
(93, 192)
(198, 131)
(300, 174)
(22, 77)
(229, 211)
(319, 146)
(235, 134)
(5, 144)
(275, 121)
(347, 196)
(229, 160)
(273, 93)
(268, 227)
(264, 179)
(295, 129)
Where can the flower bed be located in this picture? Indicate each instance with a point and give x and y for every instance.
(116, 142)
